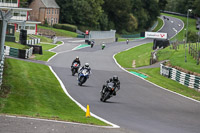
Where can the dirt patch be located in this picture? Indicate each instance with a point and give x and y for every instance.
(134, 64)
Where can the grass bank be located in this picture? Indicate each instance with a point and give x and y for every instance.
(160, 24)
(46, 53)
(140, 55)
(32, 90)
(60, 32)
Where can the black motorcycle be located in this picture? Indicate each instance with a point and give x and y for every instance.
(75, 68)
(107, 91)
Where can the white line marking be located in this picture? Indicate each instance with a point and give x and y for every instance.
(77, 41)
(149, 81)
(82, 107)
(56, 121)
(58, 45)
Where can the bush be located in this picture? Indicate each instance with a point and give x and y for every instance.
(192, 36)
(67, 27)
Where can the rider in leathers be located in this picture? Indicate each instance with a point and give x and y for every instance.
(116, 82)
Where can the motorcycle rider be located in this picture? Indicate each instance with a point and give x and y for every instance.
(127, 41)
(76, 61)
(116, 82)
(86, 66)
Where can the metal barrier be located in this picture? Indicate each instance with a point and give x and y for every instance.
(101, 36)
(183, 78)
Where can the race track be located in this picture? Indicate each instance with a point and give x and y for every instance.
(139, 106)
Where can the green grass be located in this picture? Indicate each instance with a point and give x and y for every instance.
(191, 26)
(160, 24)
(16, 45)
(32, 90)
(44, 39)
(60, 32)
(59, 42)
(46, 54)
(140, 54)
(124, 39)
(177, 58)
(155, 77)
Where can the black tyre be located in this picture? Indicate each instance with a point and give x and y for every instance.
(73, 72)
(106, 96)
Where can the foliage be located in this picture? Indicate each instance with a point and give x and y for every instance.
(67, 27)
(197, 7)
(122, 15)
(182, 6)
(192, 36)
(81, 12)
(162, 4)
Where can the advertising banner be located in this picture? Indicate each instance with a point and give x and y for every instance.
(158, 35)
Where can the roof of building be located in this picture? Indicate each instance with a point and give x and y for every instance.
(50, 3)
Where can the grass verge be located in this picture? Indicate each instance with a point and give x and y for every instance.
(46, 54)
(16, 45)
(160, 24)
(35, 92)
(140, 54)
(60, 32)
(155, 77)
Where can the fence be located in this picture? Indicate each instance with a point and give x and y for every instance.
(188, 80)
(18, 53)
(1, 69)
(194, 51)
(33, 41)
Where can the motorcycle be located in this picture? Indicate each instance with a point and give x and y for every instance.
(107, 92)
(83, 76)
(75, 68)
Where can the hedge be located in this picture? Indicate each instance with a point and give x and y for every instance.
(67, 27)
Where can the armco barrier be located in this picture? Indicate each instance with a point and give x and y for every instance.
(18, 53)
(33, 41)
(1, 69)
(188, 80)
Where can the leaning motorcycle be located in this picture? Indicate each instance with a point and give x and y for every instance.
(83, 76)
(75, 68)
(107, 92)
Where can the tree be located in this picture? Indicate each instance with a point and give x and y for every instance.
(162, 4)
(118, 12)
(146, 12)
(197, 7)
(80, 12)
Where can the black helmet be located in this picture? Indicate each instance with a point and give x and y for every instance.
(115, 78)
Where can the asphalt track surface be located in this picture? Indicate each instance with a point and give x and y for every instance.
(139, 107)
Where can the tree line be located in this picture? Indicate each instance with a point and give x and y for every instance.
(181, 6)
(126, 16)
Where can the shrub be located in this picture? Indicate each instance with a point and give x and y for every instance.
(67, 27)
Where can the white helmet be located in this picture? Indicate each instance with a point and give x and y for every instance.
(86, 64)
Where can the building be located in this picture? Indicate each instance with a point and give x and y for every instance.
(20, 16)
(45, 10)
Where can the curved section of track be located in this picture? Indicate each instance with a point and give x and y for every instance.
(139, 106)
